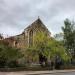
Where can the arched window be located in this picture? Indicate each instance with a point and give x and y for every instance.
(30, 38)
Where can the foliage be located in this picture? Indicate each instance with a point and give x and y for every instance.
(41, 41)
(31, 55)
(69, 36)
(57, 49)
(9, 56)
(49, 47)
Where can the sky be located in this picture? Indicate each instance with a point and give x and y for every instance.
(16, 15)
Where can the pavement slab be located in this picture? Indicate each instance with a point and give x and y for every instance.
(38, 72)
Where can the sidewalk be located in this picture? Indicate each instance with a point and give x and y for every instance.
(50, 72)
(38, 72)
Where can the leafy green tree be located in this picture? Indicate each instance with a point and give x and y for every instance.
(49, 47)
(57, 49)
(31, 55)
(39, 47)
(69, 36)
(45, 48)
(9, 56)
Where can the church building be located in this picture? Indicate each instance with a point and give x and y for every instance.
(26, 39)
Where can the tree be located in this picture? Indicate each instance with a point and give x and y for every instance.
(69, 36)
(36, 52)
(45, 48)
(31, 55)
(9, 56)
(49, 47)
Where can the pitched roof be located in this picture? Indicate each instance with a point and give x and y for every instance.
(37, 23)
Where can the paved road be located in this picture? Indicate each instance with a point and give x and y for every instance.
(56, 72)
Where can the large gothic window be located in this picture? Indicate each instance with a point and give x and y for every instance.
(30, 38)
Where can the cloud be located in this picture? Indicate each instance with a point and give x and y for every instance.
(15, 15)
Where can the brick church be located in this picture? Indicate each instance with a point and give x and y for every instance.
(26, 38)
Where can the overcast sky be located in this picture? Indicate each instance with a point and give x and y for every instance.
(16, 15)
